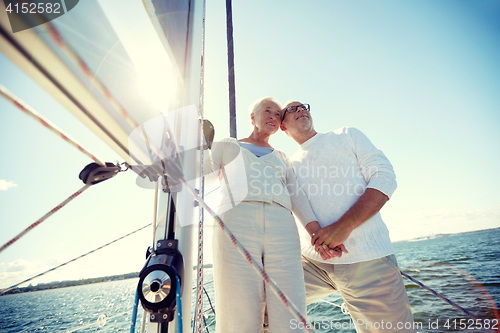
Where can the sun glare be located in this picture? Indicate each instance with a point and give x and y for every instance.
(157, 78)
(157, 84)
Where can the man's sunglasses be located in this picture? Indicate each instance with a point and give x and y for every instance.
(296, 108)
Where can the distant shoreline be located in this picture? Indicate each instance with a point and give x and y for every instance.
(70, 283)
(446, 235)
(74, 283)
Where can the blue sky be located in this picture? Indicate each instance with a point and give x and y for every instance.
(419, 78)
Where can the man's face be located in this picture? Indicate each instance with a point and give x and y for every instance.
(300, 120)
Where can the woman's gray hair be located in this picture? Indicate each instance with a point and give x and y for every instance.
(258, 103)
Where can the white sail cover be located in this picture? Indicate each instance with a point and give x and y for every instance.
(85, 60)
(83, 63)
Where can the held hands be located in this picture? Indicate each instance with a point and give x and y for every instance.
(326, 252)
(332, 236)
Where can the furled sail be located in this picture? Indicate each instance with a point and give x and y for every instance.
(87, 60)
(82, 62)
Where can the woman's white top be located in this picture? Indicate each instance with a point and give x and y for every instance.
(246, 177)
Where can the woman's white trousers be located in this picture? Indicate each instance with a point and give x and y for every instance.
(269, 233)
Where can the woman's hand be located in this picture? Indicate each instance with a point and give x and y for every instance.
(326, 253)
(312, 227)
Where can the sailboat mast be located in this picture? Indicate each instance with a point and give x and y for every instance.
(230, 66)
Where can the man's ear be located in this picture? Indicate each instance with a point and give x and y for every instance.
(282, 127)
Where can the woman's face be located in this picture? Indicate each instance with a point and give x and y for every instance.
(267, 118)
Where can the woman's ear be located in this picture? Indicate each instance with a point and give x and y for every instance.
(252, 117)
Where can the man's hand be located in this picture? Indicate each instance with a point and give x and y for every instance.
(336, 233)
(331, 236)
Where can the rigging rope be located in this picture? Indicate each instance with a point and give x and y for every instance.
(154, 214)
(143, 322)
(199, 278)
(134, 312)
(25, 53)
(80, 63)
(76, 59)
(209, 301)
(206, 327)
(101, 87)
(211, 307)
(43, 218)
(208, 297)
(322, 300)
(35, 115)
(260, 270)
(420, 284)
(64, 264)
(178, 299)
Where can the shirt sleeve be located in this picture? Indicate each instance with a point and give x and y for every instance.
(212, 162)
(300, 203)
(221, 154)
(375, 167)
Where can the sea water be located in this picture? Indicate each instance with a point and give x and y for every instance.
(463, 268)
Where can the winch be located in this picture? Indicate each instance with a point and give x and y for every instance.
(157, 286)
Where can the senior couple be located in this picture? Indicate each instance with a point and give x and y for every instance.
(335, 185)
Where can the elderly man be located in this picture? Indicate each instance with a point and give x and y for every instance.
(347, 181)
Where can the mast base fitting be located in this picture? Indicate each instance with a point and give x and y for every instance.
(157, 317)
(169, 169)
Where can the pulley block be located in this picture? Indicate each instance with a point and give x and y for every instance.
(94, 173)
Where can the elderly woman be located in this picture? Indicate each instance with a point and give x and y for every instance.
(258, 193)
